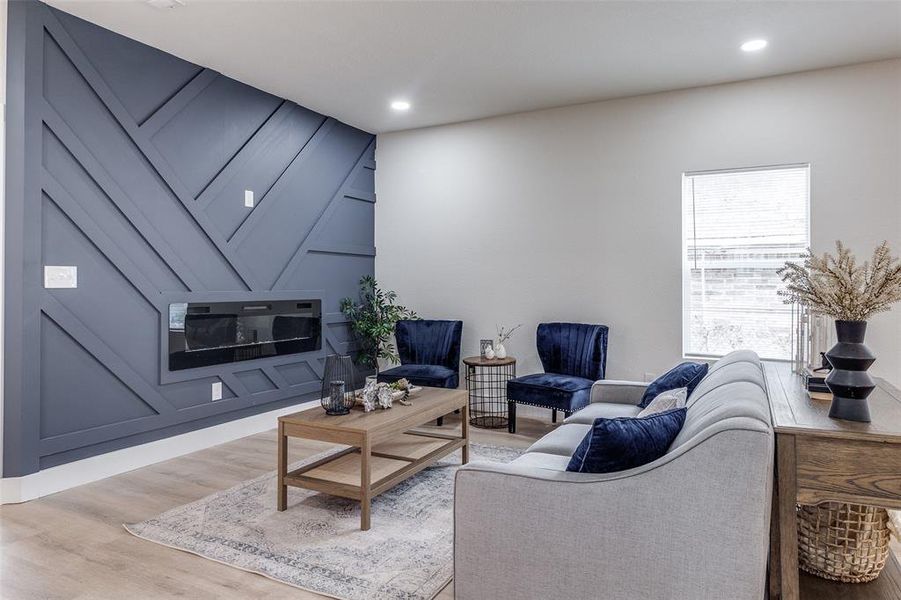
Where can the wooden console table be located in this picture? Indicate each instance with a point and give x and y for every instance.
(382, 452)
(819, 459)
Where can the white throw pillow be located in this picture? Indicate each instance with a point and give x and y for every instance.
(665, 401)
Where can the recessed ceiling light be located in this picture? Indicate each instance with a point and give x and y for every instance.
(166, 4)
(400, 105)
(754, 45)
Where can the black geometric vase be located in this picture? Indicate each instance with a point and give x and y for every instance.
(849, 381)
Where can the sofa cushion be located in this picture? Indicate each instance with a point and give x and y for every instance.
(735, 371)
(732, 400)
(550, 390)
(564, 440)
(687, 375)
(736, 356)
(603, 410)
(540, 460)
(427, 375)
(665, 401)
(625, 443)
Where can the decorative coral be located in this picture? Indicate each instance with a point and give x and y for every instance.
(382, 395)
(370, 395)
(838, 287)
(385, 396)
(402, 385)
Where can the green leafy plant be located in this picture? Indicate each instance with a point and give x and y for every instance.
(372, 320)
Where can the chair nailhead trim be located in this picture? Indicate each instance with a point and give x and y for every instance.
(538, 405)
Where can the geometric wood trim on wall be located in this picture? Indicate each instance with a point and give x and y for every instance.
(134, 167)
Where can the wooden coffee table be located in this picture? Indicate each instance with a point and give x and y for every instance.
(383, 449)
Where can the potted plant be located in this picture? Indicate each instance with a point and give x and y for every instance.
(838, 287)
(372, 321)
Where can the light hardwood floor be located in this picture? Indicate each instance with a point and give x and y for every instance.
(71, 545)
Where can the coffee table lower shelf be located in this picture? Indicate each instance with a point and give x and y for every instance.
(390, 463)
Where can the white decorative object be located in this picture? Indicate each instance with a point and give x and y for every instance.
(385, 396)
(503, 335)
(369, 396)
(489, 353)
(382, 395)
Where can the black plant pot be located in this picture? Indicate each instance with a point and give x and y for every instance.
(849, 381)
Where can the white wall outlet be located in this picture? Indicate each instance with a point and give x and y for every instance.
(217, 390)
(60, 277)
(248, 198)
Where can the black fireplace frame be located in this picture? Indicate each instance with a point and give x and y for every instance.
(229, 368)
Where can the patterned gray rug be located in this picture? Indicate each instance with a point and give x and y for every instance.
(317, 545)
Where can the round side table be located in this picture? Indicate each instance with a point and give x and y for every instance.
(486, 380)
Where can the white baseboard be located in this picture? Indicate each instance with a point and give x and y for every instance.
(69, 475)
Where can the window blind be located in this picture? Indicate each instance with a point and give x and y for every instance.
(739, 227)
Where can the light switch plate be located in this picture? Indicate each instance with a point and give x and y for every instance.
(248, 198)
(217, 390)
(60, 277)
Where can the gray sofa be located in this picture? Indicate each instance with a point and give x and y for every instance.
(692, 525)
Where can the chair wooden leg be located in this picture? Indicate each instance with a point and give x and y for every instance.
(553, 415)
(511, 416)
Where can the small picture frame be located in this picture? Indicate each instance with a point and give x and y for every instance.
(484, 345)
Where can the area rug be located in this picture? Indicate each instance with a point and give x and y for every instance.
(317, 544)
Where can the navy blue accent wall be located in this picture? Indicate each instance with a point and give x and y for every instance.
(131, 164)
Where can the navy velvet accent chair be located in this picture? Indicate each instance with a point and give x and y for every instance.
(429, 353)
(574, 356)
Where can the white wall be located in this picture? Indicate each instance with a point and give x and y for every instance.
(574, 213)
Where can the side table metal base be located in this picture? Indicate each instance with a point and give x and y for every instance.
(486, 381)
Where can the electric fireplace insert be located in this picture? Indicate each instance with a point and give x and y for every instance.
(211, 333)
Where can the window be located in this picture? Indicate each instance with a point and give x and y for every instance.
(739, 227)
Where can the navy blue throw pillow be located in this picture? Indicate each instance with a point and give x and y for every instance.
(626, 442)
(687, 375)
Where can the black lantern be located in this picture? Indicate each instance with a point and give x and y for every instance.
(338, 382)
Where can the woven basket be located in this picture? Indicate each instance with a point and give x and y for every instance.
(843, 542)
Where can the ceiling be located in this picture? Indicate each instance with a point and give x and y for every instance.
(456, 61)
